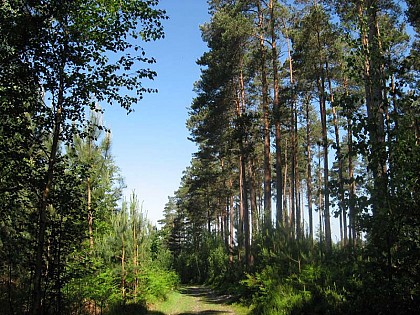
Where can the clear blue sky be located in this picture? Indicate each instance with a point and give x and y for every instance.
(150, 145)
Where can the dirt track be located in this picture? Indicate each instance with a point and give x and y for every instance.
(196, 300)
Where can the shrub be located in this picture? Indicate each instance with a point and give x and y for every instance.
(301, 293)
(155, 283)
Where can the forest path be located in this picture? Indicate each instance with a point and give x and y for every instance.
(197, 300)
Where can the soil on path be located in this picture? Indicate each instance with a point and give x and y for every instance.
(197, 300)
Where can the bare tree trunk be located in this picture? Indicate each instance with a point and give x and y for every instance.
(309, 172)
(323, 113)
(266, 124)
(296, 182)
(292, 187)
(320, 201)
(226, 224)
(328, 242)
(245, 215)
(231, 222)
(286, 218)
(341, 203)
(241, 208)
(293, 180)
(244, 161)
(277, 125)
(253, 199)
(352, 188)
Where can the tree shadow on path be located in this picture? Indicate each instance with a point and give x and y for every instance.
(207, 295)
(197, 300)
(207, 312)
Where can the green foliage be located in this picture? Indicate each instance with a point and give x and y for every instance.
(128, 267)
(308, 291)
(58, 59)
(98, 287)
(155, 283)
(355, 60)
(218, 261)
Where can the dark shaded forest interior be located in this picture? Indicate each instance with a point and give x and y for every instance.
(303, 196)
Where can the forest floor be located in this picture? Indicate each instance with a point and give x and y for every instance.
(197, 300)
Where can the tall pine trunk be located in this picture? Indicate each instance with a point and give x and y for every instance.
(253, 200)
(320, 202)
(231, 221)
(341, 202)
(244, 229)
(352, 186)
(277, 118)
(309, 171)
(323, 114)
(296, 176)
(292, 185)
(266, 122)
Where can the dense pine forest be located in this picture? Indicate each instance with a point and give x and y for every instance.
(303, 196)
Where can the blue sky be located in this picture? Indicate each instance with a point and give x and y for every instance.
(150, 145)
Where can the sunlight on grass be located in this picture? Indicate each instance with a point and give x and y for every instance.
(177, 303)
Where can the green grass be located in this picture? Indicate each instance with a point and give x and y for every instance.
(176, 303)
(190, 303)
